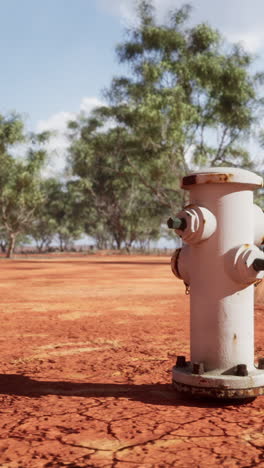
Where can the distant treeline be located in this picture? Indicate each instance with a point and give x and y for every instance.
(188, 100)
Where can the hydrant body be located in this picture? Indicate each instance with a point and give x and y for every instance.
(221, 229)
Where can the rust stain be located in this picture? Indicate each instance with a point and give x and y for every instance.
(235, 337)
(207, 178)
(226, 177)
(189, 180)
(220, 177)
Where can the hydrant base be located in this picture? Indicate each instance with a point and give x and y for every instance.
(216, 384)
(218, 393)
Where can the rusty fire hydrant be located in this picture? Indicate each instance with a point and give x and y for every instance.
(220, 263)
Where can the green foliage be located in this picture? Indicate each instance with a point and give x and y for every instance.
(20, 193)
(11, 131)
(43, 228)
(116, 206)
(59, 215)
(187, 101)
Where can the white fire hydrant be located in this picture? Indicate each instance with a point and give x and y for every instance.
(220, 263)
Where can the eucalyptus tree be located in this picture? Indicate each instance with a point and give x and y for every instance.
(60, 211)
(3, 239)
(117, 208)
(187, 100)
(20, 193)
(44, 227)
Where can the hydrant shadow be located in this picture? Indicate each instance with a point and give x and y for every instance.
(152, 394)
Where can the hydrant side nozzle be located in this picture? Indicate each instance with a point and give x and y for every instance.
(258, 264)
(177, 223)
(247, 264)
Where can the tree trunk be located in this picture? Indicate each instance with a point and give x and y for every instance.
(3, 247)
(11, 245)
(118, 241)
(118, 244)
(39, 246)
(61, 244)
(128, 247)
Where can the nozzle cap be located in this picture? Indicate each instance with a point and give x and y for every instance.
(177, 223)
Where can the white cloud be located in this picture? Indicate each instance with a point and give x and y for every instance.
(89, 103)
(252, 41)
(56, 122)
(58, 143)
(238, 20)
(126, 9)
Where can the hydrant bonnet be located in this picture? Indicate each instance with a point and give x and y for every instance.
(222, 175)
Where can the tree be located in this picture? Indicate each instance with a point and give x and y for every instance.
(187, 101)
(3, 239)
(44, 226)
(20, 193)
(59, 216)
(115, 204)
(68, 215)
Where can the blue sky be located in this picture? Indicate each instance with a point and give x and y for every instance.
(58, 55)
(54, 53)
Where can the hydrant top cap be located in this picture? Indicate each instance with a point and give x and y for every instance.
(222, 175)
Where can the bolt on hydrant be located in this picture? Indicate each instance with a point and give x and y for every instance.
(220, 263)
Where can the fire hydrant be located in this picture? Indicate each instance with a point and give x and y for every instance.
(220, 263)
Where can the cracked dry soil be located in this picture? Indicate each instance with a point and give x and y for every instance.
(87, 345)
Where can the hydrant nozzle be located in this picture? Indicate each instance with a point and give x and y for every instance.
(177, 223)
(258, 264)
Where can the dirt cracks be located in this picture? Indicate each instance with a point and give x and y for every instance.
(87, 345)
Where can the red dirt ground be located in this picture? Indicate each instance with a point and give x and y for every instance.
(87, 346)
